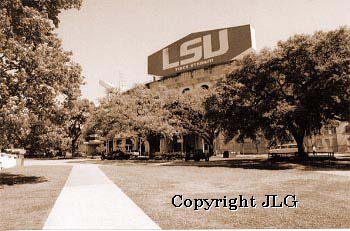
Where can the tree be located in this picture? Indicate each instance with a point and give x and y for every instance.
(286, 93)
(140, 112)
(189, 116)
(44, 135)
(146, 109)
(77, 116)
(35, 72)
(150, 114)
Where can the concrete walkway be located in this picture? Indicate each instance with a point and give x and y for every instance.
(89, 200)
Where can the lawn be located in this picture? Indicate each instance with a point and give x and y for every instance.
(324, 200)
(27, 195)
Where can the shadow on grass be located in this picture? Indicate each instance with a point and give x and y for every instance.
(321, 163)
(120, 162)
(239, 163)
(310, 164)
(12, 179)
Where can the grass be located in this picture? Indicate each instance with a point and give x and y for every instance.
(27, 195)
(324, 200)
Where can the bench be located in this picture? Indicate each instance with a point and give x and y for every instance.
(281, 154)
(327, 154)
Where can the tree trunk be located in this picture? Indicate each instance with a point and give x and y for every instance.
(73, 147)
(154, 144)
(31, 151)
(300, 143)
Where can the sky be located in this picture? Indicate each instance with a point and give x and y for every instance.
(111, 39)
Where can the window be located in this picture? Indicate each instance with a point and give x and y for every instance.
(128, 147)
(332, 130)
(185, 90)
(347, 129)
(205, 87)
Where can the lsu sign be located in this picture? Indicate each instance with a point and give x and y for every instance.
(201, 49)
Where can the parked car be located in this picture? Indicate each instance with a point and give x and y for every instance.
(197, 155)
(134, 155)
(78, 154)
(172, 156)
(116, 155)
(143, 157)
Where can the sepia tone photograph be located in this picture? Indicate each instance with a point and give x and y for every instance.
(174, 114)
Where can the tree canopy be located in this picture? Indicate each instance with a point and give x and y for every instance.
(36, 75)
(142, 112)
(138, 112)
(76, 116)
(190, 115)
(288, 92)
